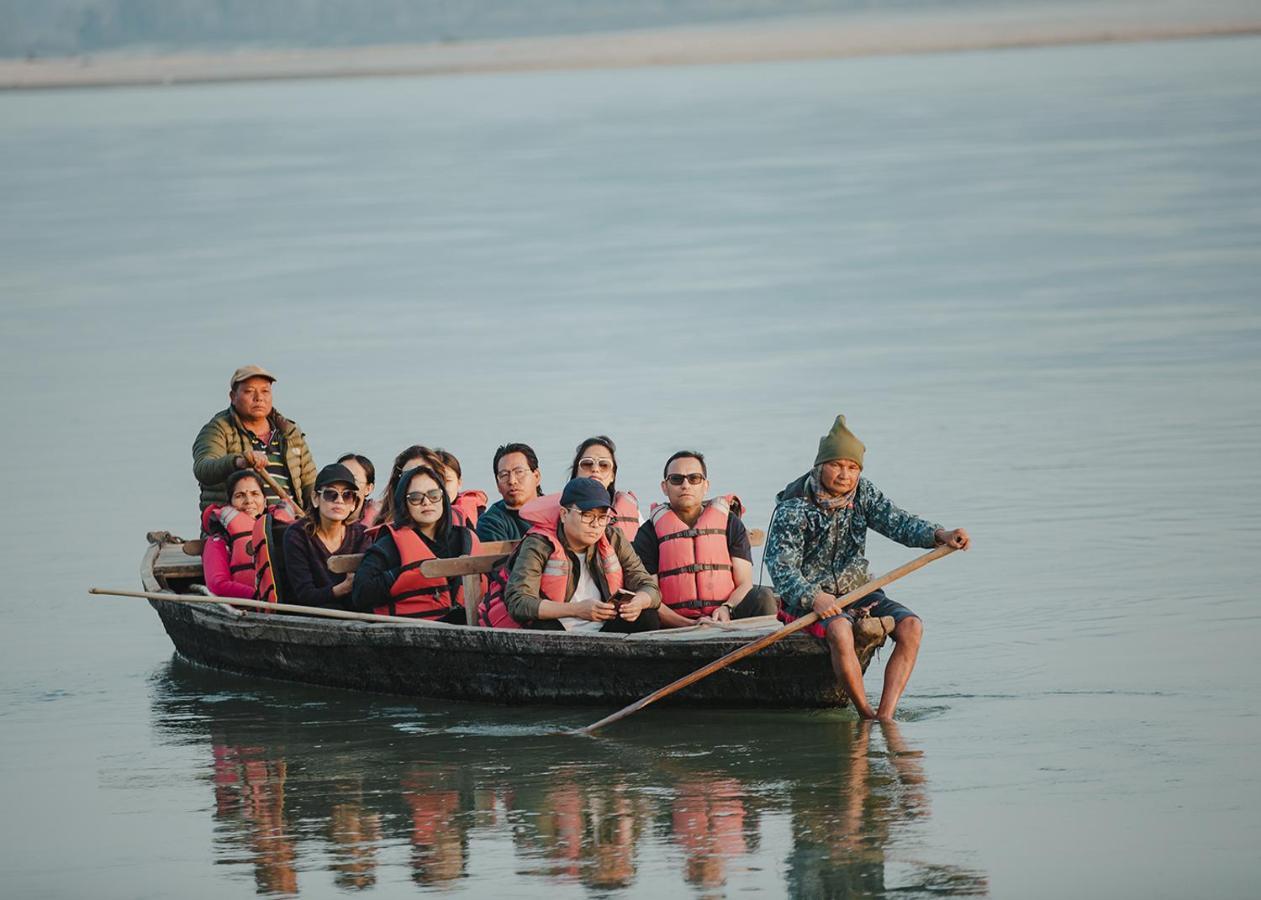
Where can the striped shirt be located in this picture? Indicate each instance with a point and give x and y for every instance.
(274, 447)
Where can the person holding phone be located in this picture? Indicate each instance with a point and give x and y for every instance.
(573, 572)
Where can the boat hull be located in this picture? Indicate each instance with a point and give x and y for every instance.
(464, 663)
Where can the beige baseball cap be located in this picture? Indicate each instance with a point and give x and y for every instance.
(249, 372)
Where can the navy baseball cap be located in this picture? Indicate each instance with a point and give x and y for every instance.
(585, 494)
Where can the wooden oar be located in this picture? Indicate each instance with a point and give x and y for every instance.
(749, 649)
(275, 486)
(349, 562)
(259, 604)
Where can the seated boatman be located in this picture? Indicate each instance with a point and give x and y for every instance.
(573, 572)
(516, 468)
(699, 550)
(250, 433)
(816, 553)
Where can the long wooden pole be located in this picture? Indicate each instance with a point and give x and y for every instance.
(749, 649)
(275, 486)
(260, 604)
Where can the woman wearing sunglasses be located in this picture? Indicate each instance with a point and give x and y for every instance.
(596, 458)
(389, 580)
(322, 533)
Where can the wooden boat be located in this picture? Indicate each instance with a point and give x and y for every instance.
(459, 662)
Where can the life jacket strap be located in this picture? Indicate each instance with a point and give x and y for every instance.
(695, 567)
(690, 533)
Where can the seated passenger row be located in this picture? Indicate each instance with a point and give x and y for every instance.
(585, 561)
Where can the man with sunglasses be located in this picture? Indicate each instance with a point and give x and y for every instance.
(516, 468)
(573, 572)
(699, 550)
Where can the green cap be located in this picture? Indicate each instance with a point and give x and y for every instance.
(839, 443)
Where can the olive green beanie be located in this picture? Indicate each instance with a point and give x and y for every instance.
(839, 443)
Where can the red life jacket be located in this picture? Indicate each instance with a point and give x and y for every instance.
(236, 528)
(466, 507)
(544, 515)
(267, 542)
(626, 513)
(694, 563)
(416, 595)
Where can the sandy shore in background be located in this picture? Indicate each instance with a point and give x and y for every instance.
(793, 39)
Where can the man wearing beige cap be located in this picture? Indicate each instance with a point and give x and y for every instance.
(816, 552)
(250, 433)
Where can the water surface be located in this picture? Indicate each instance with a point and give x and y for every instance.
(1028, 278)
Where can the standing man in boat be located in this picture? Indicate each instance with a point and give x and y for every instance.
(517, 476)
(250, 433)
(816, 553)
(699, 550)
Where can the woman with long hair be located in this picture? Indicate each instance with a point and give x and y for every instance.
(596, 457)
(389, 580)
(322, 533)
(415, 455)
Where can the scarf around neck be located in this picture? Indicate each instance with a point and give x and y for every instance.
(831, 502)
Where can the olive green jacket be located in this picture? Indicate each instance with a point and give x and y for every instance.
(224, 438)
(522, 597)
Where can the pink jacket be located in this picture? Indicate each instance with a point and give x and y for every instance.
(214, 563)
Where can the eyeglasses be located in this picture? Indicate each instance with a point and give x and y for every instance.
(420, 498)
(518, 473)
(590, 462)
(693, 478)
(332, 495)
(593, 518)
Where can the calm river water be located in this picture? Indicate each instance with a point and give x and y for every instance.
(1029, 278)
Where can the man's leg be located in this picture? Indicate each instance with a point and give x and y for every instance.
(760, 601)
(840, 638)
(906, 637)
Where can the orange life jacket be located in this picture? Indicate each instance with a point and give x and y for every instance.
(236, 528)
(544, 515)
(267, 543)
(694, 563)
(417, 595)
(626, 513)
(466, 507)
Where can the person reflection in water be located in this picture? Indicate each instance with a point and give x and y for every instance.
(585, 833)
(439, 826)
(354, 832)
(708, 821)
(844, 823)
(250, 801)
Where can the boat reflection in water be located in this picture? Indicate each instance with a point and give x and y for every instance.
(313, 786)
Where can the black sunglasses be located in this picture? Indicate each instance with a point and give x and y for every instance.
(694, 478)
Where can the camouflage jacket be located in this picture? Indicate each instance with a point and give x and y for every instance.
(810, 548)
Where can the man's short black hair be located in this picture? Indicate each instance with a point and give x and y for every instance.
(531, 459)
(686, 454)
